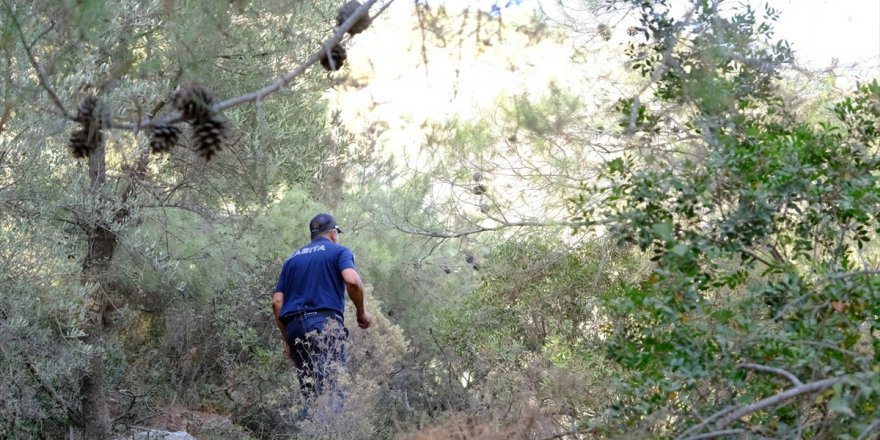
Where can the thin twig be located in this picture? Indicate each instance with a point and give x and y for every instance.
(853, 274)
(706, 422)
(657, 73)
(562, 434)
(716, 434)
(481, 229)
(44, 77)
(791, 377)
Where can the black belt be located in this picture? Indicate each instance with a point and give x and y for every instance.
(328, 313)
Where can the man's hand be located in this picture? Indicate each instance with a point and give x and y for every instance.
(364, 319)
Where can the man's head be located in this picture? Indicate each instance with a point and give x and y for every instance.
(324, 225)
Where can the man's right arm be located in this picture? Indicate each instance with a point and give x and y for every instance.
(355, 288)
(277, 302)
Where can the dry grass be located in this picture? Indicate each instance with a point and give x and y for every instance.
(530, 425)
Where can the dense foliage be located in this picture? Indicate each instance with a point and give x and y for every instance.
(682, 248)
(761, 313)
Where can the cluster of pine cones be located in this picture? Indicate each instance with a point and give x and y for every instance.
(337, 54)
(92, 116)
(195, 105)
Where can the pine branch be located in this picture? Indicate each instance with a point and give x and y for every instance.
(274, 86)
(175, 117)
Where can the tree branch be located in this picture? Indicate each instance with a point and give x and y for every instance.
(41, 72)
(72, 414)
(871, 428)
(853, 274)
(658, 72)
(4, 118)
(791, 377)
(706, 422)
(788, 394)
(732, 414)
(481, 229)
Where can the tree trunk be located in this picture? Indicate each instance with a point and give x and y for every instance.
(95, 414)
(101, 245)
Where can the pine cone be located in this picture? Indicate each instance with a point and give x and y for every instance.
(347, 10)
(194, 102)
(163, 138)
(83, 142)
(209, 135)
(92, 114)
(337, 55)
(86, 110)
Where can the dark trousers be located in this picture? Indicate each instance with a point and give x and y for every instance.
(319, 348)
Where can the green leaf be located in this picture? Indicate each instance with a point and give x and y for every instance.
(663, 230)
(839, 405)
(680, 250)
(616, 166)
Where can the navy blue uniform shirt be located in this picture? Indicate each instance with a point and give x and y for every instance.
(311, 278)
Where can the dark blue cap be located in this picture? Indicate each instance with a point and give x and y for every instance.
(323, 222)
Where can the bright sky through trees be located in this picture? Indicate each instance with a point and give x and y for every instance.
(820, 30)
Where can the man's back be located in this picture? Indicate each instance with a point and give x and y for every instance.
(310, 296)
(311, 278)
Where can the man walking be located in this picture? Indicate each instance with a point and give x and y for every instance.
(308, 304)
